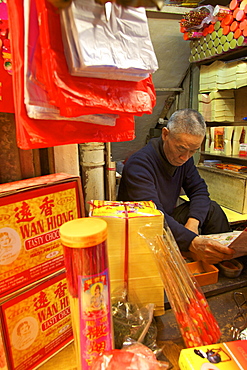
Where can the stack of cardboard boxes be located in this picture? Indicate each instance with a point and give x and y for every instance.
(35, 318)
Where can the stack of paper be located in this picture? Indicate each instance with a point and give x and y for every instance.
(208, 76)
(241, 77)
(222, 110)
(204, 106)
(221, 76)
(126, 247)
(217, 106)
(226, 77)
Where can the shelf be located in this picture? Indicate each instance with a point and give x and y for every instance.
(226, 123)
(230, 56)
(224, 156)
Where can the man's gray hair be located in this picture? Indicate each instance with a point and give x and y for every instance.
(187, 121)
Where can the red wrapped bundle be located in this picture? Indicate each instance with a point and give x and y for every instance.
(133, 357)
(197, 325)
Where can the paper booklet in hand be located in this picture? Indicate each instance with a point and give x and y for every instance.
(236, 240)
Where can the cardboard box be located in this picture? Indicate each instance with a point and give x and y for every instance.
(3, 358)
(228, 188)
(31, 212)
(221, 356)
(125, 221)
(204, 273)
(36, 323)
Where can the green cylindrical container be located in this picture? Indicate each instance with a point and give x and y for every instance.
(233, 44)
(229, 36)
(213, 51)
(241, 41)
(226, 46)
(216, 42)
(220, 32)
(213, 35)
(219, 49)
(217, 25)
(210, 44)
(223, 39)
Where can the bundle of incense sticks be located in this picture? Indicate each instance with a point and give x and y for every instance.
(194, 318)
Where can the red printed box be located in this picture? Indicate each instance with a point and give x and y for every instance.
(36, 323)
(31, 212)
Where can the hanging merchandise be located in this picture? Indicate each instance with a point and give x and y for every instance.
(117, 48)
(62, 4)
(42, 133)
(36, 98)
(6, 86)
(81, 95)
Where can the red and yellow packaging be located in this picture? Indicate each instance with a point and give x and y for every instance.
(131, 261)
(36, 323)
(31, 212)
(219, 356)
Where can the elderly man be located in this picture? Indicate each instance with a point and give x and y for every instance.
(158, 171)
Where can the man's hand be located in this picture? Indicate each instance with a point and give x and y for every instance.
(209, 250)
(192, 224)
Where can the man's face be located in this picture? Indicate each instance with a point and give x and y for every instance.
(179, 148)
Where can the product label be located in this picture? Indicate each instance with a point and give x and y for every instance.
(95, 317)
(219, 138)
(30, 246)
(37, 323)
(103, 208)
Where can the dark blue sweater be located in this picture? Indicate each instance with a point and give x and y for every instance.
(147, 175)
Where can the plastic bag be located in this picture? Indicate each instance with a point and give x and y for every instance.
(81, 95)
(132, 322)
(119, 48)
(132, 357)
(198, 18)
(35, 96)
(42, 133)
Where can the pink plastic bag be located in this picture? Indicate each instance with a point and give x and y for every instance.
(135, 356)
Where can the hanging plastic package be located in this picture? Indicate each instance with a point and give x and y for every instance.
(6, 88)
(33, 134)
(35, 97)
(82, 95)
(117, 48)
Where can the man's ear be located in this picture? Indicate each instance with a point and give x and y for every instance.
(165, 132)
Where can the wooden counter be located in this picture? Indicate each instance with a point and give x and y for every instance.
(223, 307)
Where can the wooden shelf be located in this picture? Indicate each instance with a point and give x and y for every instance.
(230, 56)
(229, 157)
(226, 123)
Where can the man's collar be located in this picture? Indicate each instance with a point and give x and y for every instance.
(158, 146)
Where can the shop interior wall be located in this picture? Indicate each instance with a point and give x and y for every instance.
(172, 53)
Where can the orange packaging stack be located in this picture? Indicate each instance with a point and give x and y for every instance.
(234, 4)
(243, 24)
(237, 33)
(227, 33)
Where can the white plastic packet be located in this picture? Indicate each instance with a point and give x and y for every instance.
(118, 48)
